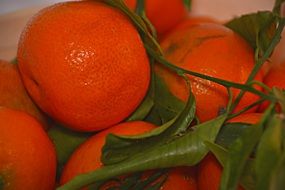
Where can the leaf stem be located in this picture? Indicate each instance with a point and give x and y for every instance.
(261, 84)
(140, 7)
(259, 62)
(222, 82)
(178, 152)
(246, 108)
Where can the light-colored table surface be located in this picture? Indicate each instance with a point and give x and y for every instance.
(12, 23)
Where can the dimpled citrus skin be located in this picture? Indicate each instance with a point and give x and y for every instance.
(164, 15)
(84, 64)
(87, 158)
(213, 50)
(27, 156)
(13, 93)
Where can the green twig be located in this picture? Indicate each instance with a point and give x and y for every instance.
(140, 7)
(261, 84)
(246, 108)
(222, 82)
(261, 61)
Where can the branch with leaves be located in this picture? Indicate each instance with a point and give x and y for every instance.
(174, 143)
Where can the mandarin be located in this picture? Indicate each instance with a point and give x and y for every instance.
(27, 156)
(14, 95)
(84, 64)
(164, 15)
(213, 50)
(210, 173)
(191, 20)
(87, 157)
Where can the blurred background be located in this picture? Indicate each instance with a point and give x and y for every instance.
(223, 8)
(14, 15)
(7, 6)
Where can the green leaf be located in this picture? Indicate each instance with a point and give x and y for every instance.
(230, 132)
(277, 6)
(248, 177)
(257, 29)
(278, 177)
(65, 142)
(239, 152)
(166, 105)
(2, 183)
(159, 105)
(268, 153)
(187, 4)
(118, 148)
(220, 152)
(186, 150)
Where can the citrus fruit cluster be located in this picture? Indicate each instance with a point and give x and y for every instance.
(85, 70)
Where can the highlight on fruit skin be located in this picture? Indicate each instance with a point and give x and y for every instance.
(14, 95)
(214, 50)
(84, 64)
(27, 156)
(87, 156)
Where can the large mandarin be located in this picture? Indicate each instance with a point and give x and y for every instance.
(84, 64)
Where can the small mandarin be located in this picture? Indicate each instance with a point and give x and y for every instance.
(27, 156)
(164, 15)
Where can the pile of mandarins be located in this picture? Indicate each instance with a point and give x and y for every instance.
(83, 64)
